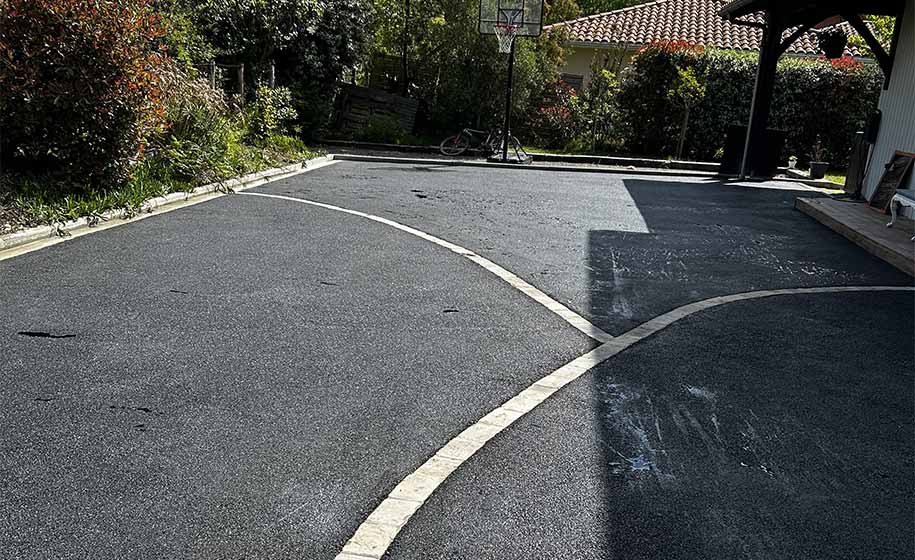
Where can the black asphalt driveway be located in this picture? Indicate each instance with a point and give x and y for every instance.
(250, 377)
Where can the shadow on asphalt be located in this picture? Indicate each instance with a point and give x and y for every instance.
(776, 428)
(712, 238)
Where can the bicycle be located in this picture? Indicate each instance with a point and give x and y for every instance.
(471, 138)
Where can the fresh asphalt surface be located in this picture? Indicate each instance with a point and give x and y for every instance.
(249, 377)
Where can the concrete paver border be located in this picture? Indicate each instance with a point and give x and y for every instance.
(378, 531)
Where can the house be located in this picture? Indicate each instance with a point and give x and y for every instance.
(621, 33)
(897, 104)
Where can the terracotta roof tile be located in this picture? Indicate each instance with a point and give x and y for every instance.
(696, 21)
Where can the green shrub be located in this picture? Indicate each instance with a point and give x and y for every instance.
(193, 145)
(598, 119)
(812, 97)
(556, 122)
(384, 129)
(271, 113)
(79, 86)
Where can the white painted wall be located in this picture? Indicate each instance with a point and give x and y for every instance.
(578, 59)
(897, 130)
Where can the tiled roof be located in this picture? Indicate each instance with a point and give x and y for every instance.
(695, 21)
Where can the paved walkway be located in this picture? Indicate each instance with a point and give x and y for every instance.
(252, 376)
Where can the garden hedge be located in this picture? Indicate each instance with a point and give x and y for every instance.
(813, 97)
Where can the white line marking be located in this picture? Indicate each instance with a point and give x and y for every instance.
(530, 291)
(376, 534)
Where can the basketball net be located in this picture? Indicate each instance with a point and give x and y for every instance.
(506, 33)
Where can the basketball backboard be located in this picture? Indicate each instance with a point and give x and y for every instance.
(527, 14)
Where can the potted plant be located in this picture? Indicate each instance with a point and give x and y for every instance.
(818, 167)
(792, 162)
(833, 42)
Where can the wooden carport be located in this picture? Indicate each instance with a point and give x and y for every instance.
(784, 22)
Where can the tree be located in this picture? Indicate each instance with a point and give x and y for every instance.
(882, 27)
(589, 7)
(687, 92)
(560, 10)
(458, 74)
(312, 42)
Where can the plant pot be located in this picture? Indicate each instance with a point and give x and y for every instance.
(818, 169)
(833, 52)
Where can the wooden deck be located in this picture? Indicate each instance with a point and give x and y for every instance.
(867, 228)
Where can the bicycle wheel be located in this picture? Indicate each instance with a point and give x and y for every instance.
(454, 145)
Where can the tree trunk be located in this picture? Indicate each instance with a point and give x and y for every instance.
(683, 133)
(405, 47)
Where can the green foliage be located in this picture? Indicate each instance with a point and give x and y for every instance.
(311, 41)
(556, 122)
(598, 115)
(98, 117)
(687, 90)
(589, 7)
(458, 74)
(270, 114)
(183, 38)
(194, 144)
(79, 90)
(560, 10)
(882, 27)
(832, 99)
(382, 128)
(252, 31)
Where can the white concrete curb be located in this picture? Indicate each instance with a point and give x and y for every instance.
(14, 244)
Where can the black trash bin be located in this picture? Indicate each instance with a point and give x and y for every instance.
(761, 164)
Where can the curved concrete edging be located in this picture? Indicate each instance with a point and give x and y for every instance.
(376, 534)
(33, 239)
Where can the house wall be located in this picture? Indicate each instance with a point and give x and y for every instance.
(578, 62)
(578, 59)
(897, 129)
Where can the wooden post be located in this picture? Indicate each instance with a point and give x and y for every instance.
(241, 83)
(755, 146)
(212, 74)
(272, 75)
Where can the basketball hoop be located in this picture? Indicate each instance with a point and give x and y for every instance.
(506, 33)
(508, 20)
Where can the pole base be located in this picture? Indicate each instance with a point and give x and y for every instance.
(519, 159)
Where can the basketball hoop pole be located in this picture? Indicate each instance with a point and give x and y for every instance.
(507, 129)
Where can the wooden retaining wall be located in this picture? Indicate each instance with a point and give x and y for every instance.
(358, 104)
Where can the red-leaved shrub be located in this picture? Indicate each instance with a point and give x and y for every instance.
(79, 89)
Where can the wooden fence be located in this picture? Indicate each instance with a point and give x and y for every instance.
(231, 77)
(356, 105)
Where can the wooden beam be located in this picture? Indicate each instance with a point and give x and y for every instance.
(786, 44)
